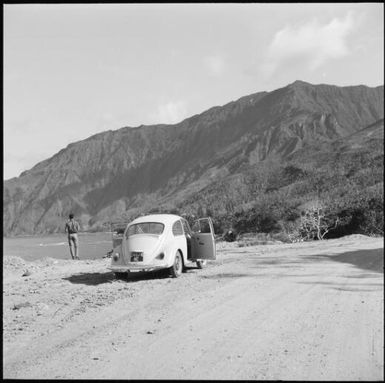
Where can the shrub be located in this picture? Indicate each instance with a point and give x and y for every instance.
(316, 222)
(230, 236)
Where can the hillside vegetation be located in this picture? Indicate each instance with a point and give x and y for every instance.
(341, 184)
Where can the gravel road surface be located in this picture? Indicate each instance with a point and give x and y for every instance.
(306, 311)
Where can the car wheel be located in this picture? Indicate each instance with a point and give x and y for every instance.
(201, 264)
(177, 268)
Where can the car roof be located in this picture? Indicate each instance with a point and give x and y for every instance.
(162, 218)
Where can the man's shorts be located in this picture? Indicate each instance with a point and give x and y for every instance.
(73, 238)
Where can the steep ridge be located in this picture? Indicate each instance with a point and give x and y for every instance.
(130, 170)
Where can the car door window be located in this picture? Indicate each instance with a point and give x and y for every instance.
(204, 226)
(196, 227)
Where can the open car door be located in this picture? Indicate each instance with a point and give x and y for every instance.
(203, 242)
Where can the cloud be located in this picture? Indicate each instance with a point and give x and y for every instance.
(215, 65)
(311, 44)
(169, 113)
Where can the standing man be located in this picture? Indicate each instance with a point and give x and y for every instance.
(72, 227)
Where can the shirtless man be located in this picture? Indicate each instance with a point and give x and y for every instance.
(72, 227)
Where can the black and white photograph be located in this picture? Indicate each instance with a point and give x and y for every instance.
(193, 191)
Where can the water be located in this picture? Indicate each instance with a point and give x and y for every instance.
(91, 246)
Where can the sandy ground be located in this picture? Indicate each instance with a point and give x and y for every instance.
(306, 311)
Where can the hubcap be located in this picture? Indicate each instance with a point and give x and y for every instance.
(178, 263)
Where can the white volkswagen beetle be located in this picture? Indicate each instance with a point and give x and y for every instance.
(162, 241)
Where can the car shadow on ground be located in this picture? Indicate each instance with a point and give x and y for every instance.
(91, 279)
(94, 279)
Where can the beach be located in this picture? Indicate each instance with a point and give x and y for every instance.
(32, 248)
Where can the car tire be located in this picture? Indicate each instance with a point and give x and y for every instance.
(201, 264)
(177, 268)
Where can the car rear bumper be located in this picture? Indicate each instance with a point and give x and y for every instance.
(136, 268)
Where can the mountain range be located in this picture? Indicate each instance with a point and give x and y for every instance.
(122, 173)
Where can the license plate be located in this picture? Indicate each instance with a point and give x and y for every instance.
(136, 256)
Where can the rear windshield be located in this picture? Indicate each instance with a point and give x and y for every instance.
(145, 228)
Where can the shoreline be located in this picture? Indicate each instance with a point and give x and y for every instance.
(21, 236)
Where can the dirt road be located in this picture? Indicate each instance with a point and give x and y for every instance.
(292, 311)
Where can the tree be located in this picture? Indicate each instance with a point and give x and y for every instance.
(316, 223)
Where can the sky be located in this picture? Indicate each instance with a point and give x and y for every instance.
(74, 70)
